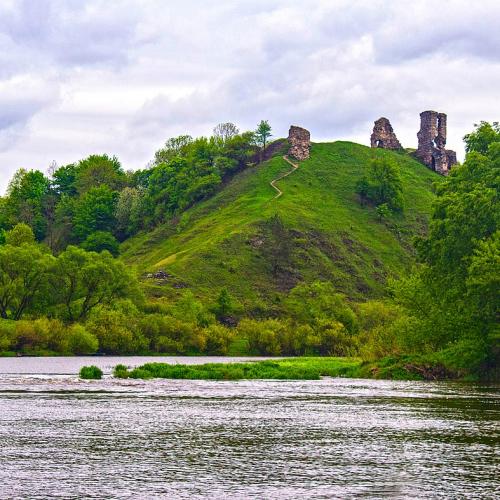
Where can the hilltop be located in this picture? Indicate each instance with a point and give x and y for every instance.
(222, 242)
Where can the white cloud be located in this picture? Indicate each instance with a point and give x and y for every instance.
(81, 77)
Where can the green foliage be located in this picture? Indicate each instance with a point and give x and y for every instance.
(95, 211)
(128, 212)
(120, 371)
(224, 305)
(99, 170)
(382, 184)
(286, 369)
(101, 241)
(482, 137)
(26, 199)
(263, 133)
(24, 279)
(218, 339)
(116, 332)
(453, 296)
(84, 280)
(81, 341)
(20, 234)
(383, 211)
(320, 301)
(91, 372)
(278, 244)
(224, 241)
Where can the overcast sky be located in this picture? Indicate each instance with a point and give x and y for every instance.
(120, 77)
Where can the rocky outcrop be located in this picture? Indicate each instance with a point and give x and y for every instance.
(300, 142)
(432, 141)
(383, 135)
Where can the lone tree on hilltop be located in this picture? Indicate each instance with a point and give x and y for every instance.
(225, 131)
(263, 133)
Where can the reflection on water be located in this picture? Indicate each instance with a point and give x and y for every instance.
(333, 438)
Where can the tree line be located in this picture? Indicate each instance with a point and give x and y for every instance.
(95, 204)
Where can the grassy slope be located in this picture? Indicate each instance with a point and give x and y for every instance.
(210, 247)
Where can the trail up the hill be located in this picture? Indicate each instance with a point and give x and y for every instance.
(295, 166)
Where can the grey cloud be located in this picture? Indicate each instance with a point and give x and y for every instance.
(123, 76)
(71, 33)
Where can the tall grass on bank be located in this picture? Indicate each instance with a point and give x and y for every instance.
(286, 369)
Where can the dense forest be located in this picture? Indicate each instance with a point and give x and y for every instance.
(66, 288)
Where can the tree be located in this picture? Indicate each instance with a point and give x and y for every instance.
(84, 280)
(382, 184)
(128, 211)
(94, 211)
(64, 180)
(454, 294)
(24, 274)
(100, 170)
(175, 146)
(20, 234)
(26, 193)
(383, 211)
(480, 139)
(319, 301)
(278, 244)
(223, 305)
(225, 131)
(263, 133)
(101, 241)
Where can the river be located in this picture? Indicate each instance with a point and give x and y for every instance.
(61, 437)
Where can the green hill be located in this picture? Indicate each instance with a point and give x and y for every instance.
(219, 242)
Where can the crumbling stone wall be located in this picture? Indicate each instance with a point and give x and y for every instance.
(383, 135)
(432, 141)
(300, 142)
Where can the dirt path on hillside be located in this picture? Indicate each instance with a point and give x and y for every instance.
(279, 192)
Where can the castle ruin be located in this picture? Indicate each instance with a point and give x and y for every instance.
(432, 141)
(300, 142)
(383, 135)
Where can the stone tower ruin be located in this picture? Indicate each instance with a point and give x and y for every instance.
(300, 142)
(383, 135)
(432, 141)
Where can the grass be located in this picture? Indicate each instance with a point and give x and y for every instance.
(90, 372)
(286, 369)
(406, 367)
(336, 239)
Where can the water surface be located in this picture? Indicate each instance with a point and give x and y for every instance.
(61, 437)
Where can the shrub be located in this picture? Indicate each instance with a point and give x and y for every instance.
(382, 184)
(100, 241)
(90, 372)
(120, 371)
(80, 341)
(218, 339)
(116, 332)
(7, 334)
(335, 340)
(264, 337)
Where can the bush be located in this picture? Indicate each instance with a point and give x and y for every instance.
(90, 372)
(116, 332)
(382, 184)
(172, 335)
(80, 341)
(218, 339)
(264, 337)
(100, 241)
(120, 371)
(7, 334)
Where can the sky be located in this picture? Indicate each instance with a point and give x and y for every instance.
(119, 77)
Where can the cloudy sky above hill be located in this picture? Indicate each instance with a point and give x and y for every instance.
(80, 77)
